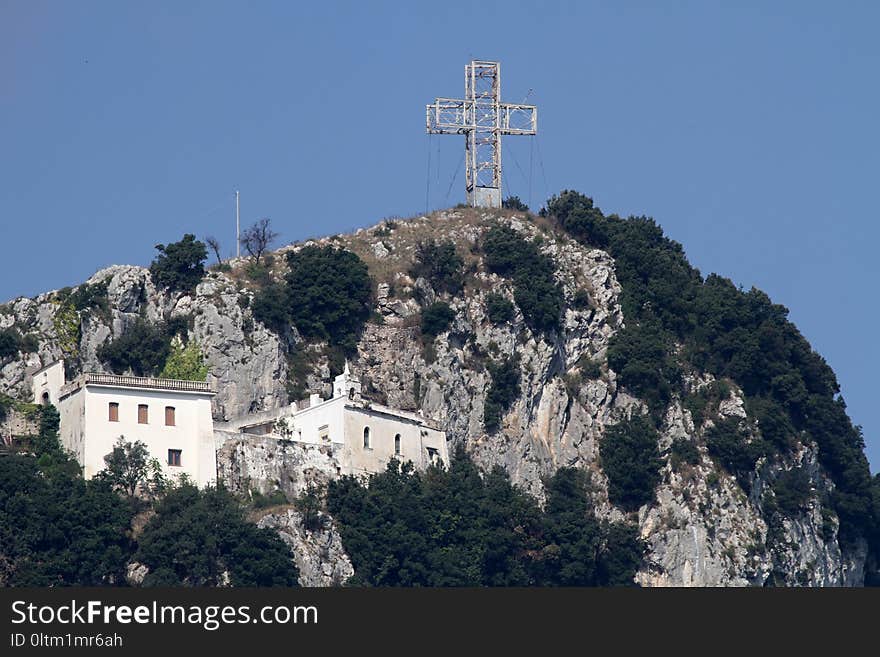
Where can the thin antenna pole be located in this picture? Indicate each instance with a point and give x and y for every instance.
(237, 228)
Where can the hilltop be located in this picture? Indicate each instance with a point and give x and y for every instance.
(698, 413)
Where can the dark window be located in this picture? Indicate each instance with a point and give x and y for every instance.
(169, 416)
(397, 444)
(114, 412)
(45, 399)
(351, 393)
(367, 438)
(143, 415)
(174, 457)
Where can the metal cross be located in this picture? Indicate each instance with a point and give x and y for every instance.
(482, 118)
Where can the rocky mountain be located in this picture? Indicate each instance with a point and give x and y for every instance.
(708, 523)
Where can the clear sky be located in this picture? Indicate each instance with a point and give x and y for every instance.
(749, 130)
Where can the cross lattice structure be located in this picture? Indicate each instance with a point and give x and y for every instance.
(482, 118)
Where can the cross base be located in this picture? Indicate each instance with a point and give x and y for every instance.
(484, 197)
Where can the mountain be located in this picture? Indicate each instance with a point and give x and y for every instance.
(569, 339)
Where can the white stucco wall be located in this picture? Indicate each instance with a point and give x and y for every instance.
(193, 432)
(415, 438)
(48, 380)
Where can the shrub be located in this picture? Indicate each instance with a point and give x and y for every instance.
(631, 462)
(498, 308)
(440, 265)
(514, 203)
(179, 265)
(503, 391)
(271, 306)
(329, 292)
(10, 342)
(683, 451)
(536, 292)
(198, 537)
(91, 296)
(143, 348)
(436, 319)
(582, 300)
(792, 491)
(185, 363)
(590, 369)
(641, 355)
(731, 448)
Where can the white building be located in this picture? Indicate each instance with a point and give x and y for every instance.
(363, 435)
(173, 418)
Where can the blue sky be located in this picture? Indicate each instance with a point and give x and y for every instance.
(748, 130)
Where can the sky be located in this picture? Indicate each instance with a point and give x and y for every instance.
(748, 130)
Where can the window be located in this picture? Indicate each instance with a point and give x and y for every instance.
(45, 399)
(174, 457)
(169, 416)
(433, 456)
(351, 393)
(397, 444)
(143, 417)
(114, 412)
(324, 433)
(367, 444)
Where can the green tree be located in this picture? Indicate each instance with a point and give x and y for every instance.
(329, 294)
(535, 289)
(179, 265)
(514, 203)
(631, 461)
(498, 309)
(185, 362)
(202, 537)
(127, 466)
(503, 391)
(436, 319)
(142, 348)
(440, 265)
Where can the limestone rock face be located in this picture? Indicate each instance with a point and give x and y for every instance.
(262, 464)
(247, 362)
(704, 528)
(318, 553)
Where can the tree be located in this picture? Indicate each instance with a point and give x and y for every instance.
(436, 319)
(179, 265)
(142, 348)
(514, 203)
(185, 362)
(503, 391)
(498, 308)
(631, 461)
(329, 291)
(127, 466)
(202, 538)
(257, 239)
(439, 264)
(214, 245)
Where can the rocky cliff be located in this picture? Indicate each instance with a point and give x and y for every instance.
(704, 527)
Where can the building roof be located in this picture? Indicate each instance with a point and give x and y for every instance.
(136, 382)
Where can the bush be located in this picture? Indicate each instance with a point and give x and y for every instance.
(271, 306)
(502, 393)
(731, 448)
(179, 265)
(440, 265)
(185, 363)
(10, 342)
(329, 293)
(683, 451)
(582, 300)
(792, 490)
(499, 309)
(536, 292)
(143, 348)
(631, 462)
(514, 203)
(436, 319)
(198, 537)
(91, 297)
